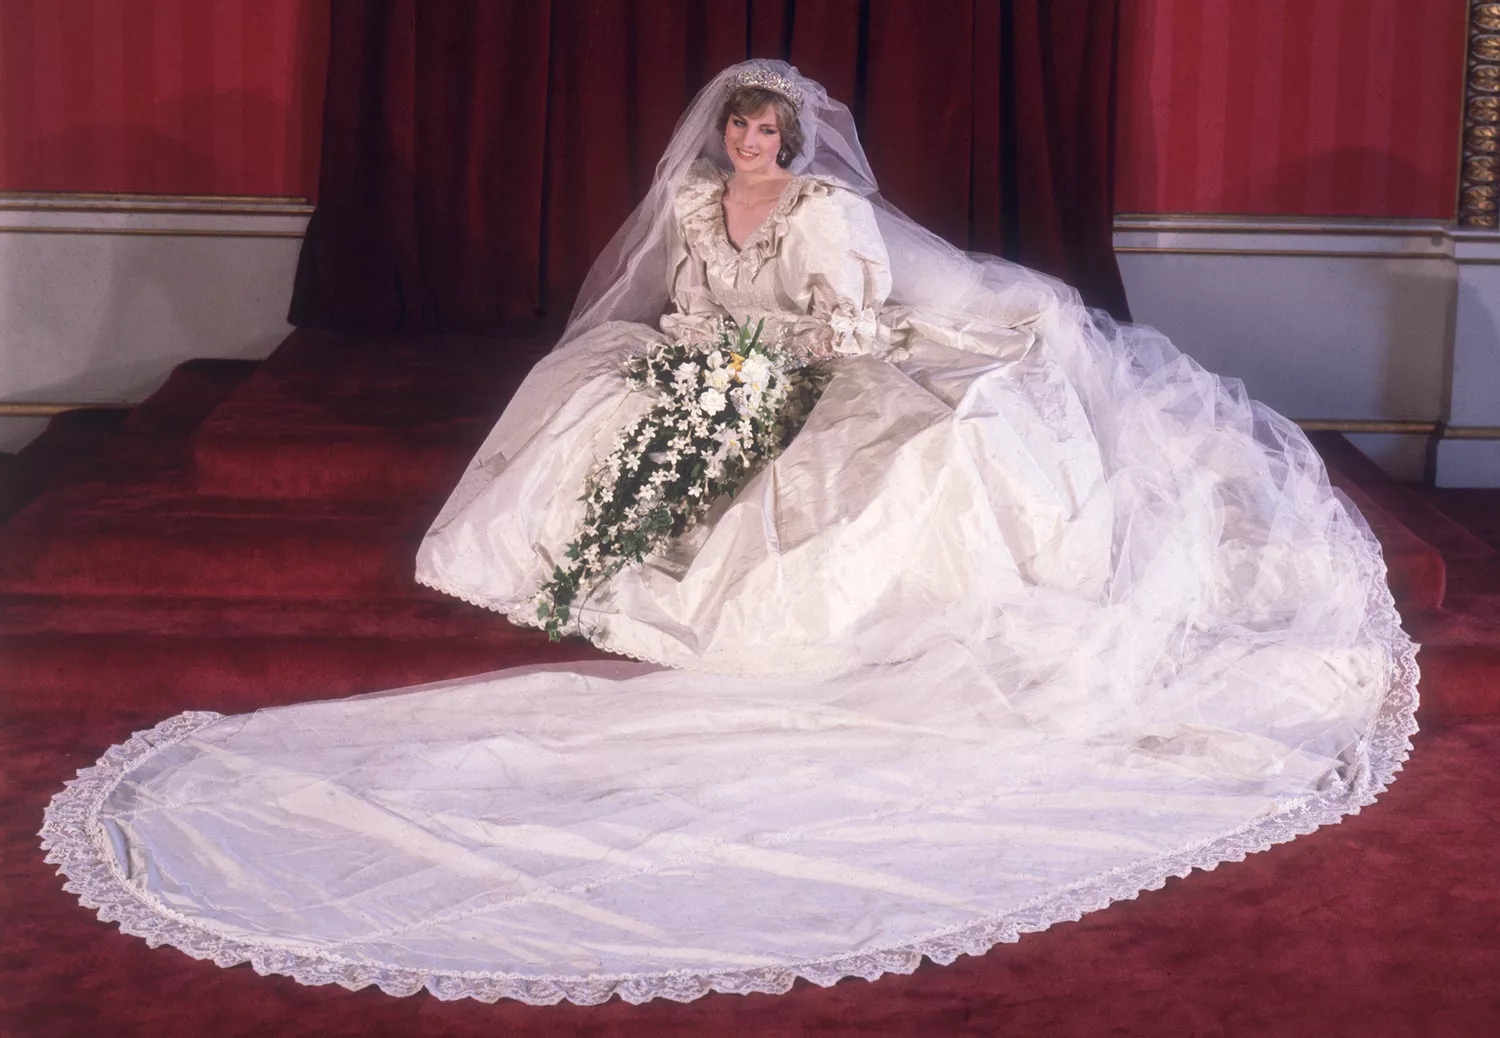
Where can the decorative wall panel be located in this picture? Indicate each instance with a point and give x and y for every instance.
(1308, 107)
(1311, 107)
(218, 97)
(1481, 148)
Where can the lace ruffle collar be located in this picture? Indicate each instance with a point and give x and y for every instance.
(700, 210)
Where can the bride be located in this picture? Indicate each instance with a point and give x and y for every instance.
(1031, 614)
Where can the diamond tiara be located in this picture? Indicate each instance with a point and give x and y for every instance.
(765, 79)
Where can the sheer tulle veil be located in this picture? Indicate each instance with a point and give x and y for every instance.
(1107, 364)
(628, 281)
(1236, 470)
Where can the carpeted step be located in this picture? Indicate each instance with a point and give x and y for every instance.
(339, 556)
(69, 439)
(308, 461)
(343, 417)
(194, 390)
(1471, 561)
(130, 527)
(1475, 509)
(431, 616)
(1459, 628)
(233, 674)
(1460, 657)
(1415, 569)
(103, 447)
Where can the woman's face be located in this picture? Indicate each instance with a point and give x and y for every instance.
(752, 141)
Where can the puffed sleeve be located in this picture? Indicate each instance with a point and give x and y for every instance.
(834, 265)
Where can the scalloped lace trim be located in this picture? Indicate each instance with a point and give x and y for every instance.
(75, 841)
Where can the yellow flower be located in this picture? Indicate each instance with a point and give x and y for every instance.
(735, 360)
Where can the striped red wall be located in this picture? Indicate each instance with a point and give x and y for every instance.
(1313, 107)
(161, 96)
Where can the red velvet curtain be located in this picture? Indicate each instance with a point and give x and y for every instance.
(477, 155)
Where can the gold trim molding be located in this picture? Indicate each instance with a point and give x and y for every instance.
(1261, 223)
(116, 215)
(1400, 427)
(1479, 169)
(155, 232)
(1368, 425)
(154, 209)
(1188, 250)
(42, 410)
(123, 198)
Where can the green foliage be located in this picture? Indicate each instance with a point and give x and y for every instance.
(724, 409)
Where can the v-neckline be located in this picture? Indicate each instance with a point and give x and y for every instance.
(724, 217)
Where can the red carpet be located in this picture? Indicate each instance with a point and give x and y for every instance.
(1475, 510)
(246, 538)
(68, 437)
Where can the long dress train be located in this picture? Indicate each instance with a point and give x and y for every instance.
(1017, 626)
(1029, 616)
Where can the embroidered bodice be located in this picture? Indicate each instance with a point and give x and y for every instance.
(816, 269)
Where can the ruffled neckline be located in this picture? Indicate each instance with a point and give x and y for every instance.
(783, 206)
(701, 210)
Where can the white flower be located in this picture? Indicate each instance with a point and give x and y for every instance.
(715, 360)
(719, 377)
(712, 401)
(755, 371)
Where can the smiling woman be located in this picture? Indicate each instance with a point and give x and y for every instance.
(761, 137)
(758, 122)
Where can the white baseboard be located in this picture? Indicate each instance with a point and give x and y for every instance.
(16, 432)
(1351, 321)
(1335, 319)
(100, 297)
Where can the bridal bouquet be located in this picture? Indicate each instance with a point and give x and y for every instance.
(725, 408)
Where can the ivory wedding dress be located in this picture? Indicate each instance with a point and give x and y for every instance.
(1032, 614)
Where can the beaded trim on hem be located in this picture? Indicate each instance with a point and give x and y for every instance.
(75, 841)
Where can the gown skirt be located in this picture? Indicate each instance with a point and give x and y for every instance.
(1016, 626)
